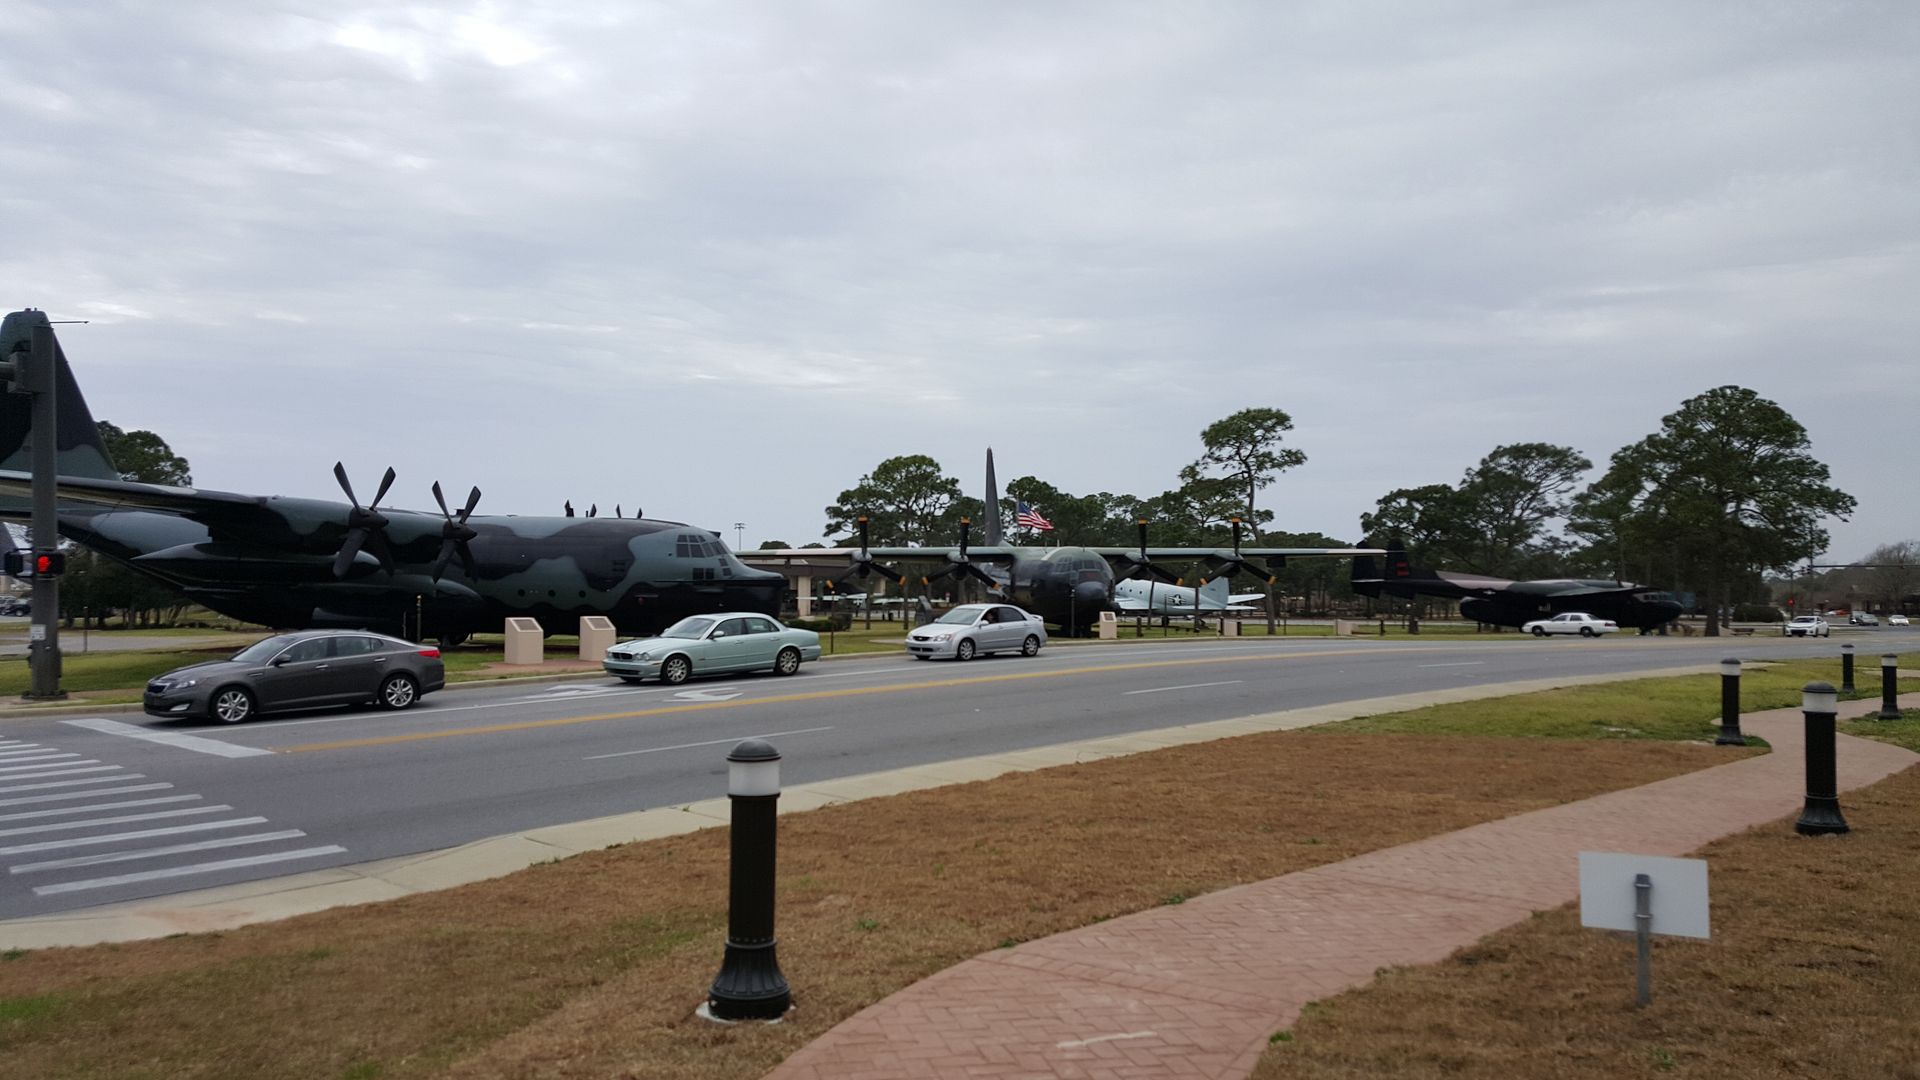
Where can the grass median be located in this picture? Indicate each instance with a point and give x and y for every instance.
(592, 966)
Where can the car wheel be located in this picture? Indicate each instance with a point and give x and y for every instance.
(1031, 646)
(964, 650)
(398, 692)
(1539, 631)
(676, 670)
(787, 662)
(1587, 631)
(232, 705)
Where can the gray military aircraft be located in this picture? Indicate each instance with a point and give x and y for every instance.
(1066, 586)
(1503, 602)
(301, 563)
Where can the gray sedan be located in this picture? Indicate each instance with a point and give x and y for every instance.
(972, 629)
(300, 671)
(712, 645)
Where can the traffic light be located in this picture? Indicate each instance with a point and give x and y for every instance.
(33, 564)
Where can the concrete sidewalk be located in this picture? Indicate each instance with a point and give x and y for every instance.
(1195, 990)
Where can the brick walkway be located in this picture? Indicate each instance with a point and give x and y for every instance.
(1195, 990)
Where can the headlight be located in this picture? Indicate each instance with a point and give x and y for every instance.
(642, 656)
(183, 684)
(941, 635)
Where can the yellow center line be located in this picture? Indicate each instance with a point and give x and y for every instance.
(820, 695)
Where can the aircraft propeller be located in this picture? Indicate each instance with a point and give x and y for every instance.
(863, 564)
(959, 564)
(366, 526)
(1236, 564)
(455, 533)
(1132, 564)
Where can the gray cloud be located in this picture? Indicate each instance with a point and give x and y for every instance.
(722, 259)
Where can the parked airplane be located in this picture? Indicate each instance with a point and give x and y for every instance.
(299, 563)
(1502, 602)
(1132, 595)
(1067, 586)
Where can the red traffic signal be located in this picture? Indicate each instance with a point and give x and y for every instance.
(32, 564)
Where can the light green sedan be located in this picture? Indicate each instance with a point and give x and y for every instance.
(713, 645)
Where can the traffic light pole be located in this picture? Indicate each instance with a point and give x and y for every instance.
(43, 651)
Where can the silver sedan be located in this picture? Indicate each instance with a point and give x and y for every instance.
(973, 629)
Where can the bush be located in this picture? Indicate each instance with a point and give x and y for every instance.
(1756, 613)
(820, 624)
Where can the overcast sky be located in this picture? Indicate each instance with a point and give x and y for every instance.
(719, 260)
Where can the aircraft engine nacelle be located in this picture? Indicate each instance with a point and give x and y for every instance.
(236, 563)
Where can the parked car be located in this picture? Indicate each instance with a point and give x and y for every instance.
(1863, 618)
(13, 605)
(1571, 622)
(1896, 620)
(712, 645)
(1807, 626)
(973, 629)
(306, 670)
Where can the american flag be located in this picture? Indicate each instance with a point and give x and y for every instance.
(1028, 518)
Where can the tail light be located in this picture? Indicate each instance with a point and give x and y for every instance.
(431, 654)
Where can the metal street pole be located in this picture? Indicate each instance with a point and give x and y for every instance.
(44, 646)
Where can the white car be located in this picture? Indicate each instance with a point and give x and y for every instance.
(1571, 622)
(1807, 626)
(973, 629)
(1896, 620)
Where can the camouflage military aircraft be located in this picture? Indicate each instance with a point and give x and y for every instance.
(1502, 602)
(300, 563)
(1067, 586)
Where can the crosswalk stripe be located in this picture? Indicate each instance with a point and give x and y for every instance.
(185, 871)
(75, 783)
(28, 752)
(25, 815)
(90, 793)
(199, 744)
(154, 853)
(124, 819)
(51, 763)
(140, 834)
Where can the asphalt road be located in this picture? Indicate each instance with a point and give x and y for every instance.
(100, 810)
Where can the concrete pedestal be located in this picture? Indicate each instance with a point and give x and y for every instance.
(526, 643)
(596, 637)
(1109, 626)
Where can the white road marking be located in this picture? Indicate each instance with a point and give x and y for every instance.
(1189, 686)
(141, 834)
(73, 783)
(94, 793)
(50, 763)
(709, 742)
(123, 819)
(30, 750)
(185, 871)
(716, 693)
(155, 853)
(562, 692)
(1460, 663)
(1075, 1044)
(161, 801)
(197, 743)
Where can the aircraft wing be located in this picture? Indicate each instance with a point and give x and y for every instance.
(205, 506)
(984, 553)
(1129, 603)
(1243, 597)
(1245, 552)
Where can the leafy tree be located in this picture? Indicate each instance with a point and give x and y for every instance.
(1511, 496)
(144, 456)
(1892, 573)
(772, 545)
(906, 500)
(1432, 521)
(1245, 447)
(1728, 484)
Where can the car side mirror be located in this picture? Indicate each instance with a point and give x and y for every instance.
(278, 661)
(717, 635)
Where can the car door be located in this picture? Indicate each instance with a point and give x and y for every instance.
(727, 648)
(358, 667)
(765, 642)
(299, 676)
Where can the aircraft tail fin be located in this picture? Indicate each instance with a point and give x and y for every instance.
(1369, 579)
(79, 449)
(990, 513)
(1212, 594)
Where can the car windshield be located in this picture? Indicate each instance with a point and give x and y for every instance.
(962, 616)
(264, 650)
(690, 627)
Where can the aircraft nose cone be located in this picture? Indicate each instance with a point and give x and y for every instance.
(1091, 594)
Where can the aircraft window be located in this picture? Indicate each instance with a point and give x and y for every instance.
(733, 627)
(315, 649)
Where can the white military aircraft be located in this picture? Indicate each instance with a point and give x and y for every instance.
(1134, 595)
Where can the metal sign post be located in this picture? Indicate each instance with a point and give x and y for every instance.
(1617, 893)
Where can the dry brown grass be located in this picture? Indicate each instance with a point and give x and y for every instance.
(592, 967)
(1813, 971)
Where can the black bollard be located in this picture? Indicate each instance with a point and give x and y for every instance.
(1889, 687)
(1821, 815)
(750, 985)
(1846, 669)
(1730, 734)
